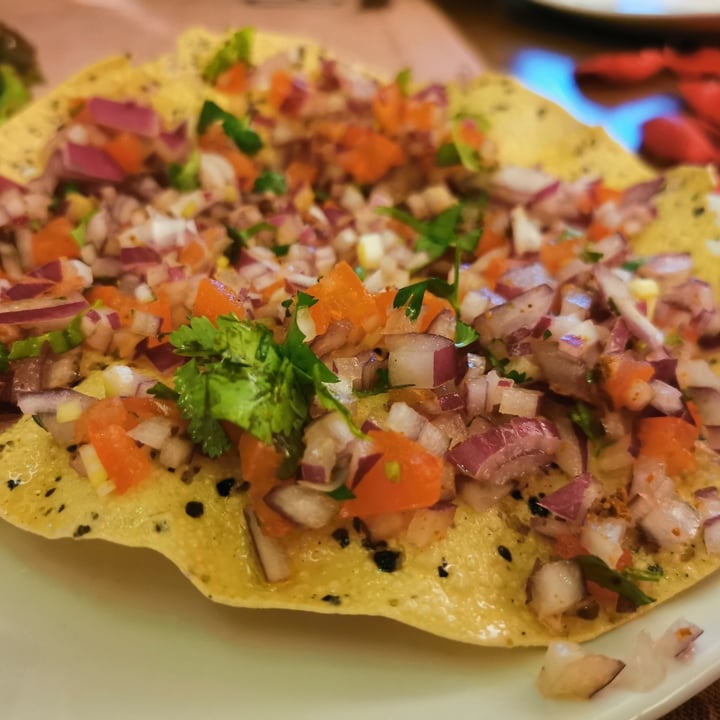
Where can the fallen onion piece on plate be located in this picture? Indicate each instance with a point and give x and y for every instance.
(570, 672)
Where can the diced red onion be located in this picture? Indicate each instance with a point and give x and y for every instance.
(90, 163)
(26, 290)
(678, 640)
(520, 401)
(429, 525)
(404, 419)
(556, 587)
(568, 671)
(270, 553)
(604, 538)
(527, 236)
(124, 116)
(671, 523)
(163, 357)
(40, 313)
(666, 398)
(564, 374)
(641, 193)
(145, 323)
(711, 534)
(482, 496)
(175, 452)
(520, 185)
(486, 456)
(672, 268)
(131, 257)
(522, 312)
(152, 432)
(419, 359)
(49, 271)
(48, 401)
(572, 500)
(307, 508)
(615, 290)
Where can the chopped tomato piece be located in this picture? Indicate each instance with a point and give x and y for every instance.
(555, 257)
(369, 155)
(602, 194)
(598, 231)
(406, 477)
(568, 546)
(245, 169)
(342, 296)
(259, 464)
(280, 88)
(109, 411)
(496, 268)
(54, 241)
(606, 598)
(671, 440)
(128, 151)
(214, 299)
(490, 239)
(193, 254)
(623, 375)
(625, 560)
(300, 173)
(233, 80)
(389, 108)
(125, 463)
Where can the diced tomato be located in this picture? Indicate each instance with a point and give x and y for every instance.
(259, 464)
(125, 463)
(432, 306)
(214, 299)
(671, 440)
(233, 80)
(342, 296)
(126, 412)
(622, 376)
(470, 134)
(280, 88)
(495, 269)
(625, 560)
(128, 151)
(193, 254)
(54, 241)
(245, 169)
(214, 138)
(490, 238)
(406, 477)
(369, 155)
(598, 231)
(300, 173)
(601, 194)
(606, 598)
(568, 545)
(389, 108)
(555, 257)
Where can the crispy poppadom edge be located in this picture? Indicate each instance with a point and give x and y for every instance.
(460, 588)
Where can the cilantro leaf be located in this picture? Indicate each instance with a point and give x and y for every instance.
(596, 570)
(13, 93)
(469, 155)
(447, 155)
(652, 573)
(195, 404)
(270, 181)
(342, 493)
(404, 80)
(634, 265)
(163, 392)
(238, 373)
(185, 177)
(591, 257)
(238, 48)
(413, 295)
(78, 233)
(583, 416)
(464, 334)
(246, 140)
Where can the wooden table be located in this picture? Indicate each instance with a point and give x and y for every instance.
(462, 38)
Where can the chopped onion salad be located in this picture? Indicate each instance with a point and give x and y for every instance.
(342, 288)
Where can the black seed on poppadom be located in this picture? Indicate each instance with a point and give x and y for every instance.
(194, 509)
(225, 486)
(342, 537)
(442, 569)
(536, 509)
(387, 560)
(12, 483)
(49, 492)
(332, 599)
(81, 530)
(61, 508)
(504, 553)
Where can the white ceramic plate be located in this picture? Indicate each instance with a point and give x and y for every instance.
(90, 631)
(639, 10)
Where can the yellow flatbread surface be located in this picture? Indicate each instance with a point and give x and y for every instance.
(481, 597)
